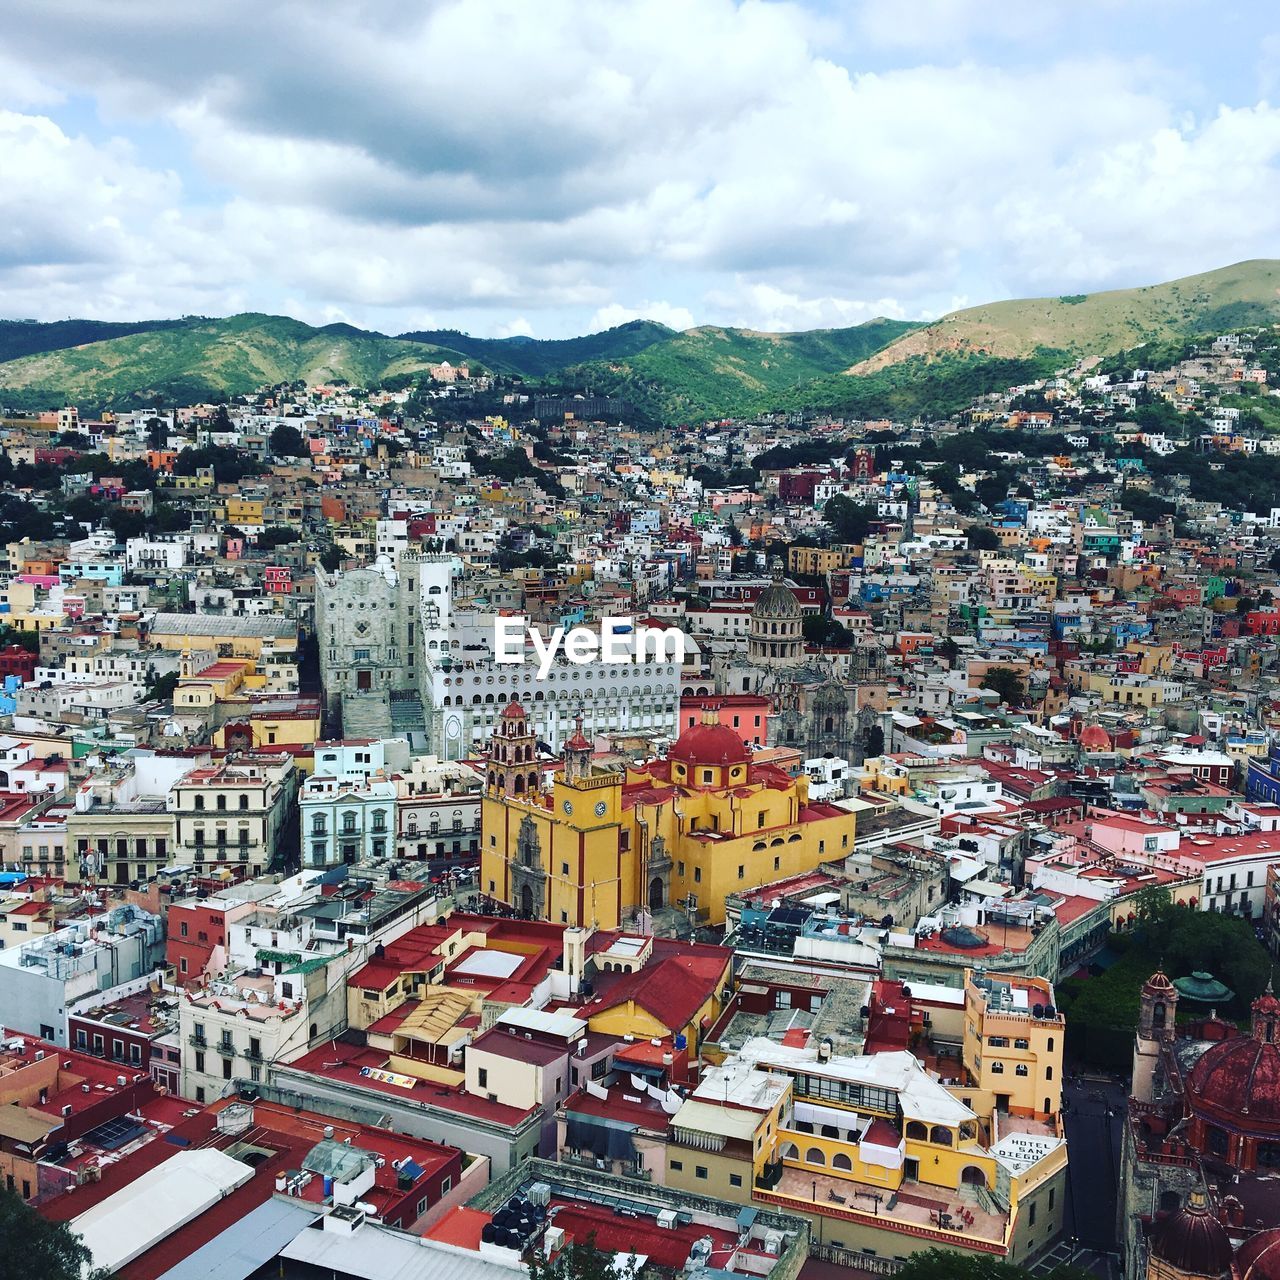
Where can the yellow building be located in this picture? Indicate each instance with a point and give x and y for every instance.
(819, 561)
(1012, 1049)
(705, 822)
(882, 1158)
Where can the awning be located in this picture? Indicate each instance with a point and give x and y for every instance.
(604, 1138)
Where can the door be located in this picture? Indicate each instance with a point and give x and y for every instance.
(364, 679)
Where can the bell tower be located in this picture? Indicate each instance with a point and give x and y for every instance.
(1158, 1004)
(577, 753)
(513, 756)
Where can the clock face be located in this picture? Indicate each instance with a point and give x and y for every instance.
(601, 808)
(568, 807)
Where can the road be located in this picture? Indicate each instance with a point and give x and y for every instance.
(1093, 1113)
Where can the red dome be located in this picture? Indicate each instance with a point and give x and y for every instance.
(714, 744)
(513, 710)
(1259, 1257)
(1240, 1076)
(1193, 1241)
(1093, 737)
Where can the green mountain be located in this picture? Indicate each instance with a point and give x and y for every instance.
(881, 368)
(713, 373)
(540, 357)
(30, 337)
(1096, 323)
(209, 358)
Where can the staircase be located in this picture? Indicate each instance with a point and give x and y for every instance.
(407, 715)
(366, 715)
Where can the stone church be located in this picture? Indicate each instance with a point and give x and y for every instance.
(813, 705)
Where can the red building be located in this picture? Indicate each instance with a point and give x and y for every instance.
(17, 661)
(277, 580)
(745, 713)
(195, 928)
(1262, 622)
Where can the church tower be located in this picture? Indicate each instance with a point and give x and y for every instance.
(1158, 1004)
(513, 756)
(577, 753)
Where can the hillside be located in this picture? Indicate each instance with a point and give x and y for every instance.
(540, 357)
(30, 337)
(1096, 323)
(712, 372)
(215, 357)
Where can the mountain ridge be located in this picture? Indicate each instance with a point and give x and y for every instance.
(1103, 322)
(873, 369)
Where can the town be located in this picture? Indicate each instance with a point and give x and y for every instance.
(923, 896)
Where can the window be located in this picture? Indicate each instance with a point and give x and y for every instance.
(200, 1093)
(677, 1166)
(1031, 1217)
(184, 928)
(735, 1179)
(446, 1185)
(777, 864)
(1020, 1069)
(482, 1077)
(997, 1068)
(697, 875)
(742, 873)
(1048, 1073)
(700, 1171)
(200, 1063)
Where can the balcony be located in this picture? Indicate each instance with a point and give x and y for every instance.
(198, 1042)
(226, 1048)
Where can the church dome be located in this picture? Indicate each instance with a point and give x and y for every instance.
(1241, 1077)
(1093, 737)
(513, 711)
(1192, 1240)
(709, 744)
(1259, 1257)
(775, 602)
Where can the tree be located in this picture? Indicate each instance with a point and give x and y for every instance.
(1007, 683)
(946, 1264)
(331, 558)
(287, 442)
(38, 1249)
(981, 538)
(162, 688)
(276, 536)
(848, 521)
(578, 1262)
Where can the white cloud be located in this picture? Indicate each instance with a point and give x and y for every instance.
(663, 312)
(517, 328)
(575, 166)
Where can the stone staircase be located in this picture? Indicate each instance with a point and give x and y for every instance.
(407, 715)
(366, 715)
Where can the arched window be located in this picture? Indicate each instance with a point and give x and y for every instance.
(940, 1135)
(814, 1156)
(841, 1161)
(791, 1152)
(972, 1176)
(1158, 1014)
(917, 1132)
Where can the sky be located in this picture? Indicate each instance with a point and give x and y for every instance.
(554, 167)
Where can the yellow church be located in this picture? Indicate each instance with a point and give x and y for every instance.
(685, 831)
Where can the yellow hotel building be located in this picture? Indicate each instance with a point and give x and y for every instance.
(685, 831)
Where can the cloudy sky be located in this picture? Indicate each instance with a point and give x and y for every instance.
(555, 166)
